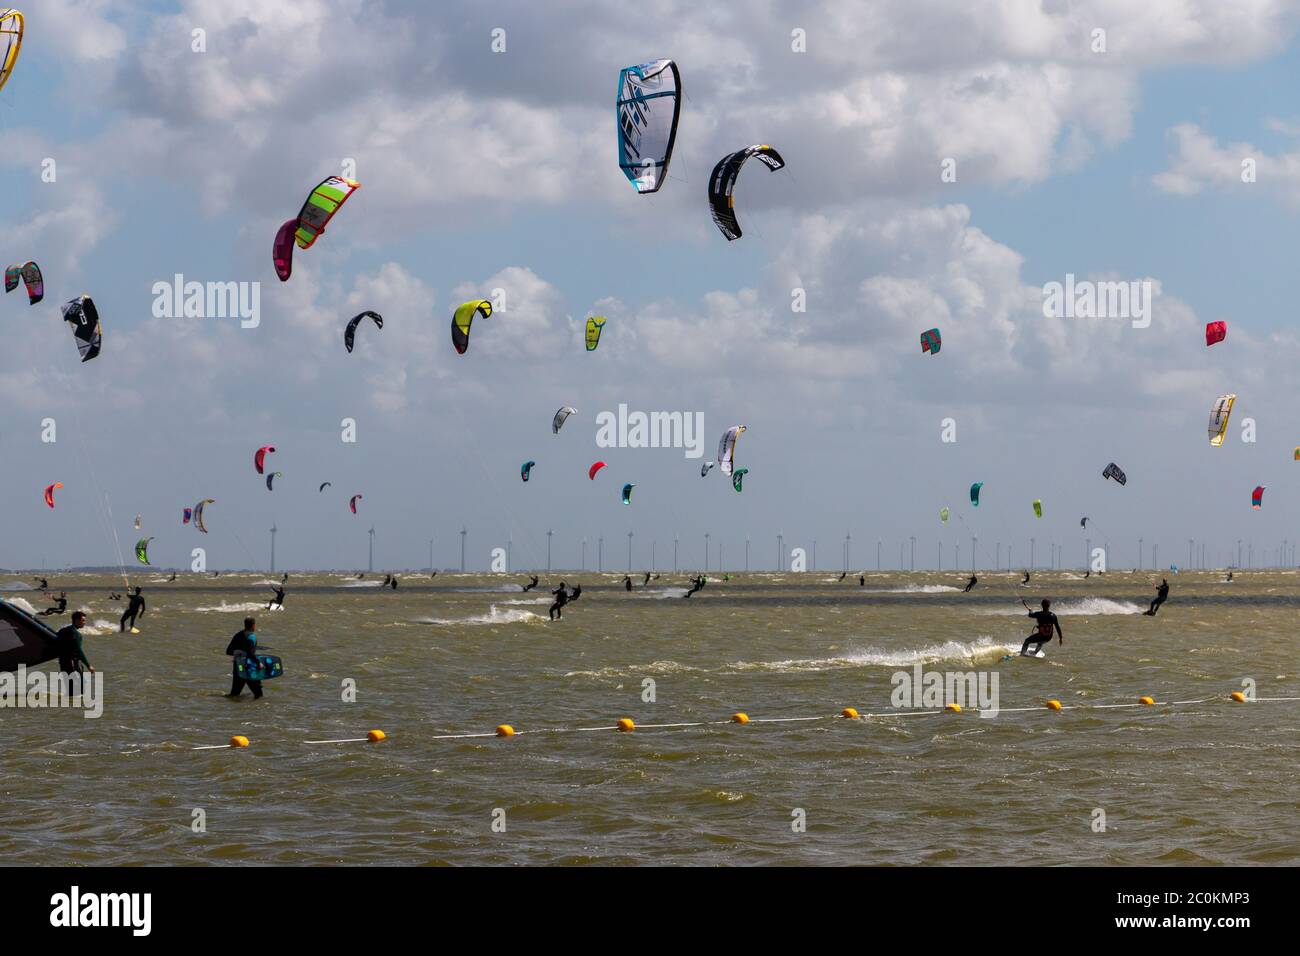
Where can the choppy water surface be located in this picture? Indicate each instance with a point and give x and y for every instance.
(1209, 782)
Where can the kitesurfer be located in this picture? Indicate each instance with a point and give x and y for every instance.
(60, 605)
(970, 584)
(45, 585)
(1162, 595)
(244, 645)
(843, 575)
(862, 580)
(647, 579)
(114, 596)
(393, 583)
(72, 656)
(1042, 634)
(531, 584)
(278, 600)
(561, 595)
(1229, 575)
(627, 582)
(135, 605)
(696, 585)
(172, 578)
(388, 579)
(1026, 580)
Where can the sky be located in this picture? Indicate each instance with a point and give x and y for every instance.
(945, 163)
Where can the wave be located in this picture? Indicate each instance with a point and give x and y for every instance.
(1086, 607)
(913, 589)
(232, 608)
(983, 650)
(361, 584)
(495, 616)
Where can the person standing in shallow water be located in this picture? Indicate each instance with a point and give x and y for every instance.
(243, 646)
(561, 595)
(134, 606)
(72, 656)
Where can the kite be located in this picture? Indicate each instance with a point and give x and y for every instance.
(526, 469)
(323, 486)
(325, 200)
(594, 324)
(350, 332)
(706, 468)
(138, 520)
(271, 477)
(198, 513)
(738, 478)
(647, 107)
(49, 493)
(931, 341)
(722, 182)
(1297, 452)
(591, 472)
(1114, 471)
(1215, 332)
(627, 493)
(84, 318)
(142, 550)
(185, 515)
(30, 273)
(1257, 497)
(1038, 507)
(259, 457)
(943, 515)
(1083, 522)
(727, 448)
(353, 503)
(1219, 418)
(11, 42)
(464, 318)
(282, 250)
(558, 421)
(975, 493)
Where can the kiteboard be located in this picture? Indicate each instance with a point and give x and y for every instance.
(1011, 657)
(267, 667)
(135, 630)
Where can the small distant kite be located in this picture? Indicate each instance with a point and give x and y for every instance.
(1215, 332)
(11, 42)
(1083, 522)
(185, 515)
(1114, 471)
(271, 477)
(138, 520)
(353, 503)
(560, 417)
(142, 550)
(82, 315)
(349, 333)
(282, 250)
(975, 493)
(1257, 498)
(627, 493)
(594, 324)
(463, 318)
(943, 515)
(259, 457)
(708, 466)
(737, 480)
(591, 472)
(49, 493)
(526, 469)
(1219, 418)
(198, 513)
(727, 448)
(30, 273)
(323, 486)
(931, 341)
(1038, 507)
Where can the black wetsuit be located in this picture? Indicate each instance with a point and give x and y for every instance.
(136, 606)
(60, 605)
(1162, 595)
(1026, 580)
(862, 580)
(393, 583)
(843, 575)
(561, 595)
(531, 584)
(647, 579)
(971, 583)
(45, 585)
(279, 598)
(244, 643)
(627, 583)
(72, 657)
(696, 585)
(1047, 623)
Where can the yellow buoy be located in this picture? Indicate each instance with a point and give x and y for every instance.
(1146, 700)
(376, 735)
(739, 718)
(953, 708)
(849, 712)
(625, 723)
(1238, 696)
(238, 741)
(505, 730)
(1053, 705)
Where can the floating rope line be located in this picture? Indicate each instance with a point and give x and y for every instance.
(626, 724)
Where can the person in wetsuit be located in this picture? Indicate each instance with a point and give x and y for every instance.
(393, 583)
(1229, 575)
(970, 584)
(135, 605)
(843, 575)
(172, 578)
(285, 579)
(244, 646)
(72, 656)
(647, 579)
(115, 596)
(627, 582)
(696, 585)
(561, 595)
(1047, 623)
(1026, 580)
(1162, 595)
(862, 580)
(387, 580)
(45, 584)
(531, 584)
(278, 600)
(60, 605)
